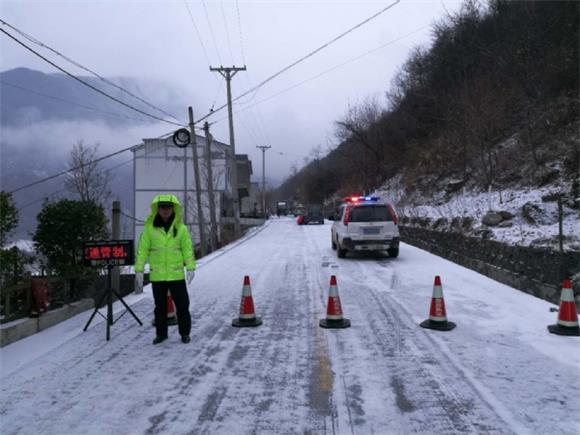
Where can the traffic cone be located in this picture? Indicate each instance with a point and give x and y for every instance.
(247, 312)
(171, 313)
(334, 317)
(567, 316)
(437, 316)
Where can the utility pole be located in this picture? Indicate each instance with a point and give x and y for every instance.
(264, 149)
(212, 216)
(116, 233)
(227, 73)
(200, 219)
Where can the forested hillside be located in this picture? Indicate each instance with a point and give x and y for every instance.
(493, 102)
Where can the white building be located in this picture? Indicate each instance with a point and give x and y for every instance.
(160, 167)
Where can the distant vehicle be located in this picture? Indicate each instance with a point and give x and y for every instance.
(313, 214)
(333, 208)
(299, 210)
(365, 224)
(282, 208)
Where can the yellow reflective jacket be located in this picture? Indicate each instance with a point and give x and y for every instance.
(168, 252)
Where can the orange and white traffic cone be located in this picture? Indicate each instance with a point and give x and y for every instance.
(334, 317)
(437, 315)
(171, 313)
(567, 316)
(247, 312)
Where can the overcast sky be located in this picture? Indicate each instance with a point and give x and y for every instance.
(157, 41)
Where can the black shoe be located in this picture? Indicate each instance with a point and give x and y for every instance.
(158, 340)
(185, 339)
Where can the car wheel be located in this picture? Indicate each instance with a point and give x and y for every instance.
(333, 244)
(393, 252)
(341, 253)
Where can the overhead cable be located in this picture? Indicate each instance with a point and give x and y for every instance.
(88, 84)
(211, 31)
(52, 97)
(103, 79)
(60, 174)
(240, 29)
(227, 31)
(197, 32)
(218, 81)
(333, 68)
(303, 58)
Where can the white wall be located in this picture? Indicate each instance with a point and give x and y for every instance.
(162, 168)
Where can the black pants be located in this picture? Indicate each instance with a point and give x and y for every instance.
(178, 291)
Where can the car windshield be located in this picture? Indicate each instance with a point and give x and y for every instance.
(373, 213)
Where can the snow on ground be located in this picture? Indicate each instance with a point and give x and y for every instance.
(28, 349)
(499, 371)
(18, 354)
(469, 203)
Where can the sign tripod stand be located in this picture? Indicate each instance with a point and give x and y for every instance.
(110, 254)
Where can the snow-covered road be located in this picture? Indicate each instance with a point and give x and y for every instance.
(499, 371)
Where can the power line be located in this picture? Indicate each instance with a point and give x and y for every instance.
(227, 31)
(197, 32)
(257, 119)
(192, 19)
(52, 97)
(333, 68)
(211, 32)
(251, 131)
(103, 79)
(257, 115)
(217, 93)
(59, 174)
(240, 29)
(303, 58)
(88, 84)
(65, 189)
(132, 217)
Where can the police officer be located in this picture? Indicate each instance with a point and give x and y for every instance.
(166, 243)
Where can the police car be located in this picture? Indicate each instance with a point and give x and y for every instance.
(365, 223)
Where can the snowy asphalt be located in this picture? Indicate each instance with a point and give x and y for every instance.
(499, 371)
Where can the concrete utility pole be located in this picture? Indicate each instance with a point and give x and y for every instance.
(116, 233)
(228, 73)
(264, 149)
(212, 216)
(200, 219)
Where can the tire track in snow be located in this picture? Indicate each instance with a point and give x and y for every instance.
(375, 315)
(252, 368)
(427, 338)
(437, 345)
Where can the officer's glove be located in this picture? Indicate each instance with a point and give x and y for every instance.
(190, 276)
(138, 282)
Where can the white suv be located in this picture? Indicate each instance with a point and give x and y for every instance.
(365, 224)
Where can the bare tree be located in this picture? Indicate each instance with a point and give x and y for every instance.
(357, 124)
(86, 179)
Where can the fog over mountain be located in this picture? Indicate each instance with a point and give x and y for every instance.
(43, 115)
(30, 96)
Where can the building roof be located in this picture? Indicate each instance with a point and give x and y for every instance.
(200, 140)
